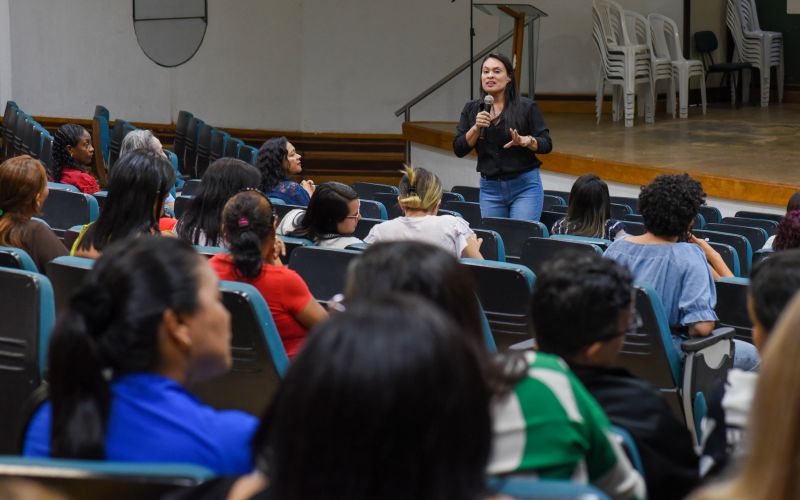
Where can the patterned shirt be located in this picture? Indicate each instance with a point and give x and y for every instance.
(610, 231)
(551, 426)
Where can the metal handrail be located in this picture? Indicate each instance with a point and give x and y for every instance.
(433, 88)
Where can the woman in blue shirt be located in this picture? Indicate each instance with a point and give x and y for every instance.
(147, 321)
(277, 160)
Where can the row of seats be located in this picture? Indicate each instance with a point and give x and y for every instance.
(23, 135)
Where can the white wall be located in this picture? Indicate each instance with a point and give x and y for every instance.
(5, 54)
(311, 65)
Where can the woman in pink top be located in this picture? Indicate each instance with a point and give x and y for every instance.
(72, 152)
(248, 224)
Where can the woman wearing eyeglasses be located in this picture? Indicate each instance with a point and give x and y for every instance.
(330, 219)
(248, 225)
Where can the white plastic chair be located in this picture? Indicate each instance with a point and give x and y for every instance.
(762, 49)
(660, 64)
(667, 43)
(623, 62)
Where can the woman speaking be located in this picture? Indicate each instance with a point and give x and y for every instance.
(507, 131)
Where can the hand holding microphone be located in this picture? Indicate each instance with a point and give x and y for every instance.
(484, 118)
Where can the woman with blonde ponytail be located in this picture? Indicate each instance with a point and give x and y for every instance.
(420, 197)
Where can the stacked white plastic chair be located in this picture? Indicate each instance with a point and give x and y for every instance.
(762, 49)
(623, 62)
(660, 64)
(666, 42)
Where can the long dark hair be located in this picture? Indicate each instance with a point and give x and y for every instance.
(67, 135)
(512, 109)
(112, 323)
(589, 206)
(248, 221)
(385, 401)
(270, 160)
(139, 181)
(326, 209)
(224, 178)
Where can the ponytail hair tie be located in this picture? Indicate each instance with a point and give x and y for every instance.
(243, 222)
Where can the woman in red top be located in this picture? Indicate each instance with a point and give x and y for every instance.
(248, 224)
(72, 152)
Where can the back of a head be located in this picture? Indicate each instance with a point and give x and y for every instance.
(578, 300)
(788, 234)
(589, 206)
(139, 181)
(773, 283)
(794, 202)
(327, 208)
(224, 178)
(112, 322)
(22, 179)
(67, 135)
(419, 189)
(386, 400)
(670, 203)
(139, 139)
(248, 221)
(422, 269)
(270, 162)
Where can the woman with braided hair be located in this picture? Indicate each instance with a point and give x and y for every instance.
(72, 152)
(147, 321)
(248, 224)
(277, 160)
(420, 197)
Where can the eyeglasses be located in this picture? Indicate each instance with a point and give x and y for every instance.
(356, 216)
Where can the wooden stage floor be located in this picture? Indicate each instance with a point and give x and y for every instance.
(747, 153)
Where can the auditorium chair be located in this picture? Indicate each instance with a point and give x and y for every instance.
(9, 127)
(470, 193)
(182, 202)
(179, 178)
(203, 149)
(562, 194)
(451, 196)
(291, 243)
(259, 358)
(618, 210)
(282, 209)
(732, 306)
(365, 190)
(248, 154)
(649, 353)
(525, 487)
(536, 251)
(504, 291)
(492, 246)
(63, 209)
(514, 233)
(443, 211)
(191, 186)
(755, 235)
(323, 269)
(46, 156)
(770, 226)
(729, 255)
(100, 479)
(66, 275)
(184, 117)
(759, 215)
(28, 315)
(744, 250)
(232, 147)
(629, 201)
(550, 200)
(190, 147)
(101, 142)
(561, 209)
(602, 243)
(548, 218)
(118, 133)
(469, 210)
(364, 226)
(17, 258)
(389, 201)
(219, 139)
(19, 133)
(373, 210)
(762, 254)
(626, 442)
(712, 215)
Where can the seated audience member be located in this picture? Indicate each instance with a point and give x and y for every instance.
(144, 140)
(72, 152)
(277, 160)
(135, 200)
(589, 212)
(788, 233)
(769, 469)
(792, 205)
(248, 224)
(330, 219)
(420, 197)
(581, 307)
(23, 189)
(150, 315)
(201, 223)
(386, 401)
(675, 263)
(773, 283)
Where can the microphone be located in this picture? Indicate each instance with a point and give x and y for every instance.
(488, 101)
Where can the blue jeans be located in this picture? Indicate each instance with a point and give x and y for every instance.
(745, 355)
(517, 198)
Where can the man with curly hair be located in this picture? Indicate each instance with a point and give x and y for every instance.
(680, 267)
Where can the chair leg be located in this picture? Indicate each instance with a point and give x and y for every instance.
(765, 82)
(629, 107)
(703, 93)
(671, 97)
(598, 99)
(745, 83)
(780, 78)
(683, 96)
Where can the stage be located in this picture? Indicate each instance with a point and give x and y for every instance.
(748, 154)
